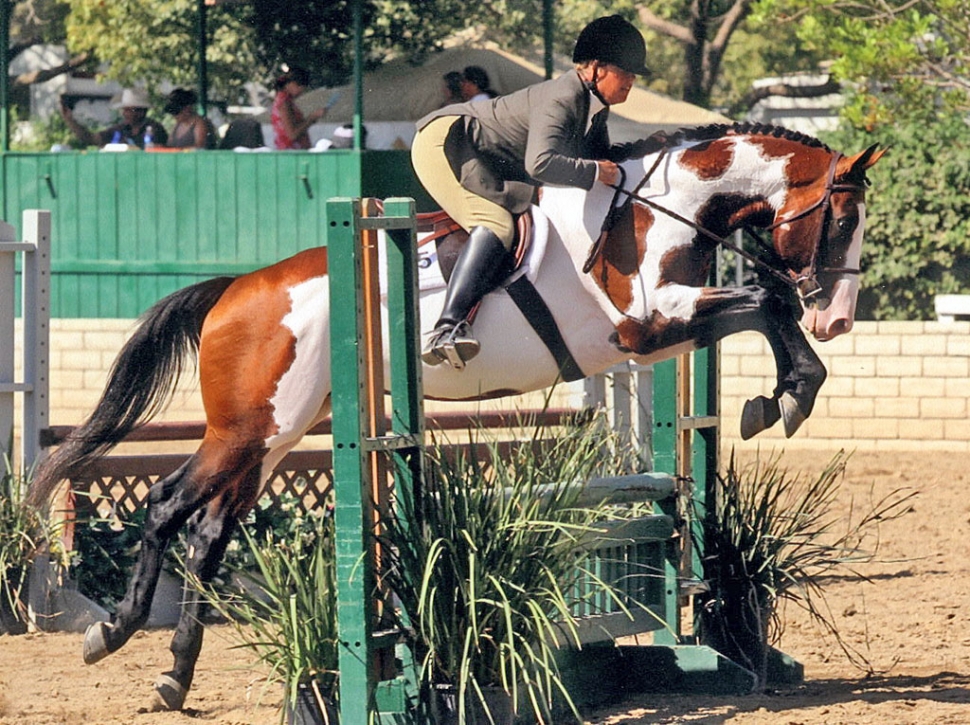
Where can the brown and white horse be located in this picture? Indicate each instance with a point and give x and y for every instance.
(630, 288)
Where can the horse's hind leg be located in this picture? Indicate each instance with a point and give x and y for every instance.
(170, 503)
(209, 532)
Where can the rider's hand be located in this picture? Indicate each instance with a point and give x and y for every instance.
(607, 173)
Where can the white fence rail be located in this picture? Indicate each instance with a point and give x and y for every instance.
(34, 385)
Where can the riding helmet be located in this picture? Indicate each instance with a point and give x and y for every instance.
(611, 39)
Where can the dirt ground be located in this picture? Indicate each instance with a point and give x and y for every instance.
(907, 615)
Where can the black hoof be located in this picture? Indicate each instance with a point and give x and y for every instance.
(758, 415)
(95, 643)
(169, 694)
(791, 413)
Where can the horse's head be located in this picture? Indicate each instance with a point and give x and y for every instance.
(817, 234)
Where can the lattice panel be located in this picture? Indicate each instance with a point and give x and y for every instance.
(122, 482)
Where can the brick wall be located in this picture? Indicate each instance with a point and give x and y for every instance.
(891, 385)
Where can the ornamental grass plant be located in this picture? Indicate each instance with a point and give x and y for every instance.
(24, 530)
(771, 537)
(282, 605)
(486, 562)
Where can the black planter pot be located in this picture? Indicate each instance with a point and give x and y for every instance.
(444, 707)
(311, 708)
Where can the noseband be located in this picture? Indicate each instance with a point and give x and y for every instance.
(805, 285)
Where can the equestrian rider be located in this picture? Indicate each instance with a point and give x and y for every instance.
(483, 161)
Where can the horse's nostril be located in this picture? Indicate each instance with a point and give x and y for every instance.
(839, 327)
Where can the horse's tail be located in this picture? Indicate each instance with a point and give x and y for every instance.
(140, 383)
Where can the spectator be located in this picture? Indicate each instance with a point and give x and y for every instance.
(451, 86)
(475, 85)
(191, 131)
(133, 128)
(289, 125)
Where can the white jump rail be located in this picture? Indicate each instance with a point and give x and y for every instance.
(35, 251)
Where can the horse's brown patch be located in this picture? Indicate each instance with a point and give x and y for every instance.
(655, 333)
(709, 160)
(620, 259)
(245, 349)
(687, 265)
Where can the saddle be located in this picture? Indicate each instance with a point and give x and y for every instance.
(449, 238)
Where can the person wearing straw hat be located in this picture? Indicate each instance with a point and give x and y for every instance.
(131, 130)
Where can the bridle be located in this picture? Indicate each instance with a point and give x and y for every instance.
(805, 285)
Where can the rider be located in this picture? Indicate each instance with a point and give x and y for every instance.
(483, 161)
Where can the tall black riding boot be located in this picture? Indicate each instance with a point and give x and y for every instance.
(481, 265)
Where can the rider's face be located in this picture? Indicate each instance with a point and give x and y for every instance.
(613, 83)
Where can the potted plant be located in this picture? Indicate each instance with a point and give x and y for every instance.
(23, 530)
(283, 607)
(485, 561)
(771, 536)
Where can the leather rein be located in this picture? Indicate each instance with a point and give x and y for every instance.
(806, 285)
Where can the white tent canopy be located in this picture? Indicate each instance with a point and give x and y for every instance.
(398, 94)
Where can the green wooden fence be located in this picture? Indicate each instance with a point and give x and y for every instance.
(129, 228)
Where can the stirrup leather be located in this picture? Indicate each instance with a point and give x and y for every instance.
(451, 344)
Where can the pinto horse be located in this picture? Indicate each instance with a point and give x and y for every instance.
(633, 287)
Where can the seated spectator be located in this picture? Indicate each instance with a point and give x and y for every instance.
(244, 133)
(451, 83)
(133, 128)
(475, 85)
(191, 130)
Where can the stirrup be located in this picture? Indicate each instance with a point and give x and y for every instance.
(451, 344)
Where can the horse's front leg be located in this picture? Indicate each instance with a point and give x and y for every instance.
(800, 377)
(719, 312)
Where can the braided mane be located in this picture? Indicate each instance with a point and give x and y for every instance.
(719, 130)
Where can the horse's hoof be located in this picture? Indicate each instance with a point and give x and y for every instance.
(95, 644)
(758, 415)
(791, 413)
(169, 694)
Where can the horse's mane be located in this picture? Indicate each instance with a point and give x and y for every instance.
(719, 130)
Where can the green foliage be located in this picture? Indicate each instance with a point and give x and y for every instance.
(23, 530)
(487, 562)
(42, 134)
(106, 547)
(918, 217)
(105, 550)
(908, 61)
(152, 42)
(285, 609)
(771, 537)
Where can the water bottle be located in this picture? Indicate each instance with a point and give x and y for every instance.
(116, 138)
(149, 138)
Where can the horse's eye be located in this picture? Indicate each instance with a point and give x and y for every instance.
(847, 223)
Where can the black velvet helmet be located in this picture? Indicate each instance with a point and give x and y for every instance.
(611, 39)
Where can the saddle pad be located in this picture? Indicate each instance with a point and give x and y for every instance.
(430, 277)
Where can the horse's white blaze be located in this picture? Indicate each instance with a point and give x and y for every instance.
(838, 316)
(302, 389)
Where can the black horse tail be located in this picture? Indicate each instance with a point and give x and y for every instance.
(140, 383)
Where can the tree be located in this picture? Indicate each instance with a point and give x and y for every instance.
(917, 216)
(153, 42)
(906, 59)
(250, 41)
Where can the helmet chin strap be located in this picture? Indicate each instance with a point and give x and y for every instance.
(591, 83)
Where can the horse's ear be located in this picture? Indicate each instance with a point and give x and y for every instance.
(853, 168)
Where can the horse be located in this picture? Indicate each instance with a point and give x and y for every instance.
(623, 275)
